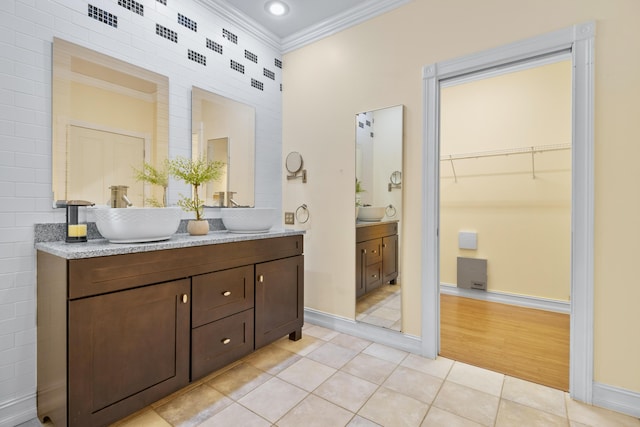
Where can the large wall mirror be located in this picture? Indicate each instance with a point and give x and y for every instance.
(224, 130)
(379, 140)
(109, 119)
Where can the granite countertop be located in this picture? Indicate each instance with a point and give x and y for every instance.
(371, 223)
(102, 247)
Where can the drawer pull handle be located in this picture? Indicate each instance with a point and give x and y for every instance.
(226, 293)
(374, 275)
(261, 278)
(226, 341)
(185, 298)
(374, 252)
(364, 251)
(384, 245)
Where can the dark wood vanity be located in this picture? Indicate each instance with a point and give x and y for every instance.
(376, 255)
(116, 333)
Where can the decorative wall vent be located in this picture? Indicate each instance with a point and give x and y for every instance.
(270, 74)
(278, 63)
(361, 125)
(133, 6)
(166, 33)
(103, 16)
(237, 66)
(368, 123)
(164, 2)
(280, 87)
(229, 36)
(257, 84)
(216, 47)
(183, 20)
(197, 57)
(251, 56)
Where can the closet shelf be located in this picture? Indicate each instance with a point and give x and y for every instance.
(533, 150)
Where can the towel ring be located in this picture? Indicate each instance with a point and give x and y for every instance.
(390, 211)
(302, 214)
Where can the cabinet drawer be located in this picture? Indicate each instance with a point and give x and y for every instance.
(219, 343)
(373, 276)
(373, 250)
(221, 294)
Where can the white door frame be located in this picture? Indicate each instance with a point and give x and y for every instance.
(579, 40)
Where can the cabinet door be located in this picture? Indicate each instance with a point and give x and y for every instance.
(389, 258)
(360, 269)
(279, 300)
(126, 350)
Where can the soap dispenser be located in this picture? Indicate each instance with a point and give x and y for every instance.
(76, 221)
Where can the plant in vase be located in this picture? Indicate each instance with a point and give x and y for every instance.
(195, 172)
(359, 191)
(156, 176)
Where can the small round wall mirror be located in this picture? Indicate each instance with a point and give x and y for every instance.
(396, 178)
(294, 162)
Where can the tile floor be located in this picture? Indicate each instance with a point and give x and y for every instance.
(332, 379)
(381, 307)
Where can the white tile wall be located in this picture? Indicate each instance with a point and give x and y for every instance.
(27, 28)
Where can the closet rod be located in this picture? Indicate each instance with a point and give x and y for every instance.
(505, 152)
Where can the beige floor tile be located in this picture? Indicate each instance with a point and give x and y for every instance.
(385, 353)
(576, 424)
(316, 412)
(303, 346)
(273, 399)
(146, 418)
(535, 396)
(437, 417)
(306, 374)
(239, 380)
(321, 333)
(414, 384)
(332, 355)
(390, 408)
(193, 407)
(235, 415)
(353, 343)
(513, 414)
(386, 313)
(272, 359)
(346, 390)
(468, 403)
(476, 378)
(597, 417)
(438, 367)
(377, 321)
(358, 421)
(369, 368)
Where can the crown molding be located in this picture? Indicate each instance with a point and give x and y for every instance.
(335, 24)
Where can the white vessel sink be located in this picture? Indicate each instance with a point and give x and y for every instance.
(132, 225)
(249, 220)
(371, 213)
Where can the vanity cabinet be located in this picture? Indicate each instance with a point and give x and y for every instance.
(117, 333)
(376, 256)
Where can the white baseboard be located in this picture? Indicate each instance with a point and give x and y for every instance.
(505, 298)
(18, 411)
(376, 334)
(617, 399)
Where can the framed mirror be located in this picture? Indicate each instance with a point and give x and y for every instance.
(224, 130)
(109, 118)
(379, 151)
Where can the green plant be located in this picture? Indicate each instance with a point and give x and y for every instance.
(154, 176)
(194, 172)
(359, 190)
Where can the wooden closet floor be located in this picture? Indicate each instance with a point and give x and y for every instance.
(521, 342)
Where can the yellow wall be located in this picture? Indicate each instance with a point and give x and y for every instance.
(523, 224)
(379, 63)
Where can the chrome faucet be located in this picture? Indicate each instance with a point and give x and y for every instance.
(230, 202)
(119, 197)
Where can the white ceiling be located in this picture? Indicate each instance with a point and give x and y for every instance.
(307, 20)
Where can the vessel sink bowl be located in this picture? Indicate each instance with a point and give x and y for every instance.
(371, 213)
(249, 220)
(133, 225)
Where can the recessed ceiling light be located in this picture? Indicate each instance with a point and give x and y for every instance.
(276, 8)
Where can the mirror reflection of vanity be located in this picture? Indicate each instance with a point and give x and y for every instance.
(109, 117)
(224, 130)
(379, 140)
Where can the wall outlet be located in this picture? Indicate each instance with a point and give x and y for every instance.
(289, 218)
